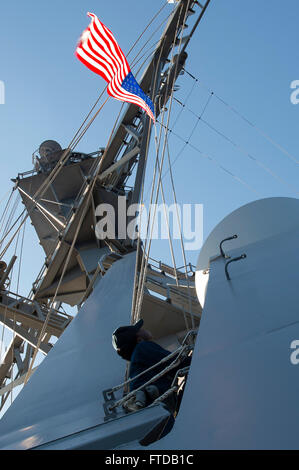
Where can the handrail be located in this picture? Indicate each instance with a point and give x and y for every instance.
(153, 379)
(28, 301)
(109, 394)
(187, 266)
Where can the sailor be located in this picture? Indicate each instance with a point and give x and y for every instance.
(134, 343)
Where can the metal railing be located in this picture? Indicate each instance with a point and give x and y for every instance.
(179, 354)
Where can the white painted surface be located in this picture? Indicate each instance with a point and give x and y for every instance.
(65, 394)
(242, 391)
(255, 221)
(114, 433)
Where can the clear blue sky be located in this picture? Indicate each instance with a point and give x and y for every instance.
(246, 52)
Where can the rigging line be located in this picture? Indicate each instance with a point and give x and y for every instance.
(74, 142)
(138, 242)
(143, 274)
(167, 85)
(139, 51)
(203, 10)
(63, 272)
(193, 129)
(179, 114)
(70, 252)
(136, 289)
(167, 223)
(77, 139)
(80, 194)
(54, 173)
(13, 236)
(180, 351)
(10, 392)
(22, 223)
(57, 203)
(245, 119)
(5, 314)
(6, 209)
(164, 146)
(257, 161)
(184, 104)
(134, 63)
(47, 218)
(136, 59)
(4, 197)
(101, 94)
(143, 264)
(212, 159)
(6, 232)
(11, 214)
(146, 239)
(180, 228)
(172, 254)
(142, 267)
(59, 165)
(44, 210)
(191, 133)
(84, 211)
(142, 271)
(242, 150)
(146, 59)
(146, 28)
(154, 366)
(41, 193)
(95, 163)
(135, 285)
(27, 215)
(87, 117)
(21, 258)
(2, 334)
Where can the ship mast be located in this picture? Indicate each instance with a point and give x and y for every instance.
(64, 214)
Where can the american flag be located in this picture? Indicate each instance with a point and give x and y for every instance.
(99, 51)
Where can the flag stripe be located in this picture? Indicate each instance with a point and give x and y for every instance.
(104, 46)
(92, 64)
(92, 47)
(99, 51)
(113, 47)
(109, 33)
(96, 45)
